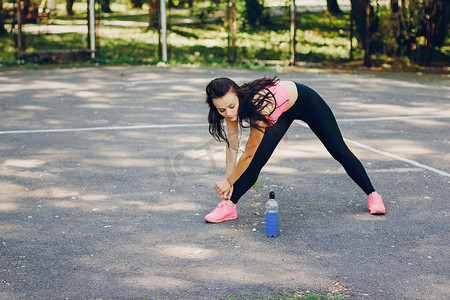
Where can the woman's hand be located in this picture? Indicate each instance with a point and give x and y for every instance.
(227, 195)
(224, 189)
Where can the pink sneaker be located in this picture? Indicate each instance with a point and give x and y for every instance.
(375, 204)
(223, 212)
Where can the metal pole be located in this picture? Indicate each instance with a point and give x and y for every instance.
(164, 30)
(92, 26)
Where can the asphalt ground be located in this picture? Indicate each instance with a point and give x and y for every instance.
(106, 175)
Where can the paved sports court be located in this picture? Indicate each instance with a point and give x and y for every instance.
(106, 175)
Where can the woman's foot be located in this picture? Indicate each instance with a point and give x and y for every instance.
(223, 212)
(375, 204)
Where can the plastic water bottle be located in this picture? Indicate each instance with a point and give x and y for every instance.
(272, 216)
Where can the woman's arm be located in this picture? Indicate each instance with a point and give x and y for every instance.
(255, 138)
(233, 148)
(225, 187)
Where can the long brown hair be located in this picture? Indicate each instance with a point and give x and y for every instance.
(253, 98)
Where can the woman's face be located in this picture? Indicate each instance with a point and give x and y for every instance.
(228, 106)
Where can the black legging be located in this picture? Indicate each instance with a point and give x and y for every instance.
(313, 110)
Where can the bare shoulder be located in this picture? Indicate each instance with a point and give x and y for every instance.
(291, 88)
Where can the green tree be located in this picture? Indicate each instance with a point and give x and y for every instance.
(414, 28)
(433, 26)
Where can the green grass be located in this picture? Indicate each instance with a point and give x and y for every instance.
(258, 185)
(298, 295)
(61, 41)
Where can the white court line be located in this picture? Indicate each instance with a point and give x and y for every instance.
(393, 118)
(200, 124)
(415, 163)
(395, 170)
(412, 162)
(100, 128)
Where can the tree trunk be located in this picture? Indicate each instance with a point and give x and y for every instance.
(20, 36)
(359, 16)
(69, 7)
(364, 25)
(88, 11)
(232, 27)
(293, 31)
(367, 61)
(394, 6)
(159, 30)
(105, 6)
(233, 30)
(333, 7)
(152, 8)
(137, 3)
(351, 33)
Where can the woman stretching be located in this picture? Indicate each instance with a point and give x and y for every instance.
(269, 106)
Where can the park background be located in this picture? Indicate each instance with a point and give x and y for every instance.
(407, 34)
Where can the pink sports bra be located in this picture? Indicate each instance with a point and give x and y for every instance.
(281, 96)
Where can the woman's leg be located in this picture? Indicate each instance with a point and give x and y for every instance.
(272, 137)
(313, 110)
